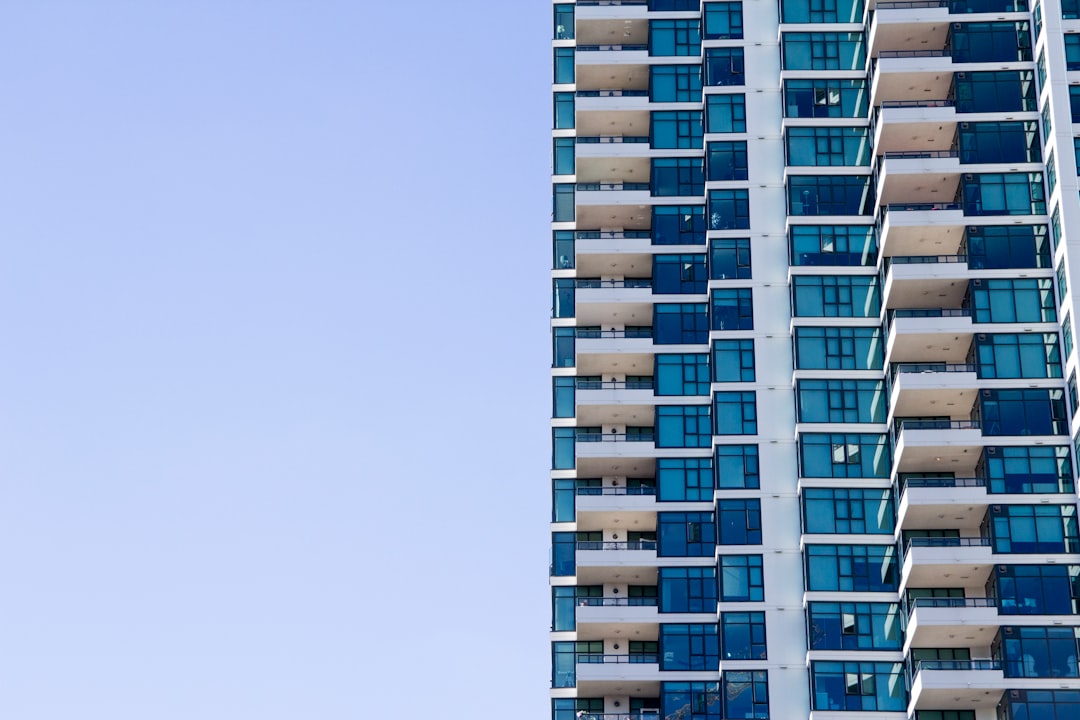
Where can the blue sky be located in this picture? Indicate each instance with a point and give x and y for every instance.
(273, 359)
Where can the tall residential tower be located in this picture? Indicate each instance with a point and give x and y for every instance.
(813, 375)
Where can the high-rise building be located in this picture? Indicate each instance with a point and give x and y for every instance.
(813, 374)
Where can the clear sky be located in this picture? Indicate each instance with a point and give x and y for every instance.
(273, 359)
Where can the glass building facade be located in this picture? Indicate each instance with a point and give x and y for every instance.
(814, 396)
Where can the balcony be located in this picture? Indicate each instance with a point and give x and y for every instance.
(920, 334)
(966, 561)
(917, 176)
(947, 445)
(613, 301)
(956, 684)
(932, 388)
(951, 623)
(908, 26)
(607, 675)
(598, 618)
(921, 229)
(910, 75)
(922, 124)
(626, 350)
(616, 506)
(941, 503)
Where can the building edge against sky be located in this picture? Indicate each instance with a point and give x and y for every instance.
(813, 375)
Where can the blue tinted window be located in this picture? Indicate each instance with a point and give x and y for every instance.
(727, 160)
(1008, 246)
(562, 449)
(564, 22)
(854, 626)
(1015, 355)
(685, 534)
(563, 202)
(723, 21)
(1009, 301)
(999, 142)
(851, 568)
(845, 511)
(689, 647)
(677, 176)
(1034, 529)
(860, 348)
(729, 209)
(733, 360)
(677, 129)
(995, 91)
(746, 694)
(821, 11)
(732, 309)
(836, 296)
(867, 686)
(726, 113)
(684, 479)
(562, 297)
(1003, 194)
(1028, 469)
(736, 413)
(839, 146)
(679, 274)
(830, 195)
(678, 225)
(679, 324)
(682, 374)
(563, 548)
(737, 467)
(741, 578)
(742, 636)
(690, 589)
(840, 401)
(683, 426)
(823, 51)
(675, 83)
(843, 245)
(738, 522)
(563, 253)
(563, 156)
(564, 66)
(825, 98)
(725, 66)
(990, 42)
(824, 455)
(674, 37)
(1040, 652)
(562, 396)
(729, 259)
(1023, 412)
(691, 700)
(564, 111)
(1038, 589)
(1044, 704)
(562, 352)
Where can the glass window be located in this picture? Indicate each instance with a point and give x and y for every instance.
(685, 534)
(675, 83)
(678, 225)
(562, 297)
(684, 479)
(741, 578)
(677, 176)
(1074, 102)
(733, 360)
(563, 202)
(1007, 246)
(683, 426)
(823, 51)
(689, 647)
(576, 708)
(742, 636)
(564, 111)
(821, 11)
(1010, 301)
(999, 142)
(729, 209)
(845, 511)
(817, 146)
(746, 694)
(867, 686)
(1066, 335)
(1055, 225)
(1038, 589)
(691, 700)
(840, 401)
(851, 568)
(1047, 125)
(563, 549)
(562, 500)
(562, 352)
(859, 348)
(732, 309)
(674, 5)
(564, 66)
(836, 296)
(687, 589)
(1051, 173)
(1003, 194)
(1040, 652)
(562, 449)
(677, 129)
(727, 160)
(825, 98)
(564, 22)
(843, 245)
(562, 156)
(830, 195)
(681, 323)
(1018, 355)
(674, 37)
(736, 413)
(738, 522)
(854, 626)
(737, 467)
(1034, 529)
(1042, 704)
(1023, 412)
(562, 396)
(1062, 282)
(723, 21)
(1023, 470)
(563, 254)
(855, 455)
(995, 91)
(729, 259)
(725, 113)
(682, 374)
(725, 66)
(990, 42)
